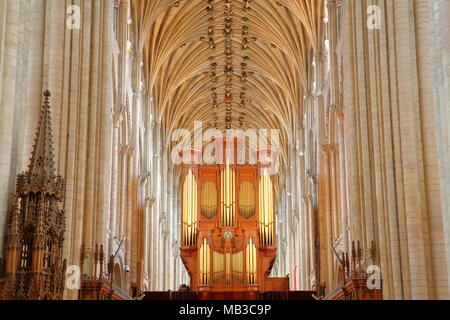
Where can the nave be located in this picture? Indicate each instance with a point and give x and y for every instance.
(224, 149)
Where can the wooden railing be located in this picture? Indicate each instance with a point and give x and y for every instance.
(267, 296)
(356, 275)
(101, 290)
(288, 295)
(174, 296)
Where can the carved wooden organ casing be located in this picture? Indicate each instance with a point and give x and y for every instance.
(228, 228)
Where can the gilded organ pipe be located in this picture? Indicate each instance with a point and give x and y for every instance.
(228, 270)
(238, 266)
(251, 265)
(266, 212)
(246, 199)
(218, 267)
(205, 263)
(190, 210)
(228, 196)
(209, 200)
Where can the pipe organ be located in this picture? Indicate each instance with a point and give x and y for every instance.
(228, 230)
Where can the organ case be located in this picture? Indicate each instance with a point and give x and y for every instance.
(228, 230)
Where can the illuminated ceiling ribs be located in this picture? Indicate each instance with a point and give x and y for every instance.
(174, 39)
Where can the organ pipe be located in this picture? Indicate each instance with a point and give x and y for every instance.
(238, 266)
(266, 211)
(205, 263)
(246, 199)
(251, 266)
(228, 270)
(209, 199)
(190, 210)
(228, 267)
(218, 267)
(228, 196)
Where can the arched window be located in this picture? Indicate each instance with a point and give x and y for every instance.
(26, 252)
(47, 257)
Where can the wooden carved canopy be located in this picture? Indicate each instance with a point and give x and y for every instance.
(34, 265)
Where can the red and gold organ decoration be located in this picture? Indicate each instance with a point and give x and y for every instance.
(228, 230)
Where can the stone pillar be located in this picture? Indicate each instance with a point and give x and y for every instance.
(35, 75)
(440, 10)
(9, 64)
(106, 125)
(114, 212)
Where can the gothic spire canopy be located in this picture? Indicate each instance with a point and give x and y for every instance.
(35, 268)
(42, 157)
(40, 176)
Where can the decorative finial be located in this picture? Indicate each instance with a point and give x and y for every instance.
(42, 160)
(47, 93)
(47, 96)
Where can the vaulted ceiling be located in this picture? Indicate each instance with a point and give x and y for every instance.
(186, 53)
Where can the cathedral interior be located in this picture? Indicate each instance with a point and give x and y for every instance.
(224, 149)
